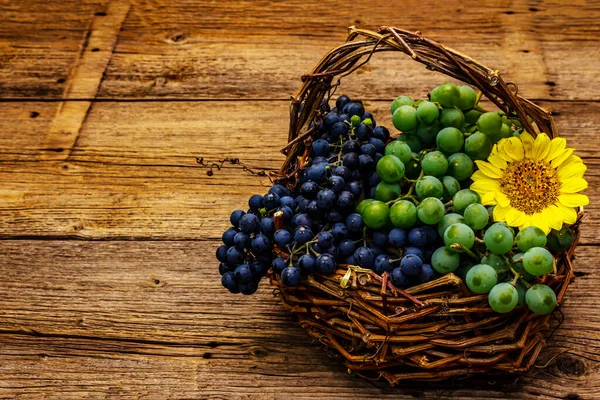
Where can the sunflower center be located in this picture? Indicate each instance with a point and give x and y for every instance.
(530, 185)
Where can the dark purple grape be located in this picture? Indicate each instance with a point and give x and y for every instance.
(248, 288)
(354, 222)
(303, 234)
(363, 132)
(346, 247)
(379, 238)
(325, 199)
(222, 253)
(355, 174)
(383, 264)
(329, 120)
(381, 133)
(397, 238)
(267, 226)
(278, 264)
(332, 250)
(367, 164)
(260, 268)
(303, 175)
(290, 276)
(417, 237)
(350, 160)
(255, 202)
(235, 256)
(282, 238)
(318, 173)
(339, 129)
(279, 190)
(427, 273)
(373, 180)
(431, 233)
(341, 102)
(377, 157)
(337, 184)
(241, 240)
(411, 265)
(325, 239)
(302, 202)
(271, 201)
(228, 236)
(334, 216)
(287, 214)
(235, 216)
(350, 146)
(260, 243)
(339, 231)
(342, 171)
(288, 201)
(249, 223)
(306, 263)
(243, 273)
(364, 257)
(346, 201)
(301, 219)
(309, 189)
(313, 210)
(368, 149)
(355, 188)
(379, 145)
(350, 260)
(398, 277)
(414, 250)
(356, 109)
(228, 282)
(223, 268)
(325, 264)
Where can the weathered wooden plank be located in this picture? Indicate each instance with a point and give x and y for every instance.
(150, 319)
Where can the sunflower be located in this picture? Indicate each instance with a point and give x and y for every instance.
(532, 182)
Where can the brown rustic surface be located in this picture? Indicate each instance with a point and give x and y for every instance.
(108, 228)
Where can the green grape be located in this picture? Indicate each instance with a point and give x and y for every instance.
(412, 141)
(521, 290)
(497, 262)
(390, 169)
(355, 120)
(505, 131)
(481, 278)
(463, 198)
(430, 210)
(387, 191)
(529, 237)
(465, 266)
(367, 121)
(405, 118)
(361, 206)
(467, 97)
(478, 146)
(451, 186)
(450, 140)
(428, 133)
(472, 116)
(452, 117)
(517, 260)
(460, 166)
(400, 150)
(444, 260)
(459, 234)
(434, 163)
(476, 216)
(376, 215)
(498, 239)
(449, 219)
(429, 186)
(447, 95)
(559, 241)
(403, 214)
(540, 299)
(503, 298)
(427, 112)
(413, 168)
(490, 123)
(399, 102)
(538, 261)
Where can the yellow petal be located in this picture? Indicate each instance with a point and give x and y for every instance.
(571, 170)
(561, 158)
(502, 199)
(557, 146)
(573, 199)
(541, 147)
(572, 159)
(497, 161)
(538, 220)
(487, 198)
(514, 148)
(554, 217)
(501, 152)
(515, 217)
(528, 141)
(573, 185)
(499, 213)
(488, 169)
(568, 213)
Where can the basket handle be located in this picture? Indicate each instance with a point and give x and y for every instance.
(346, 58)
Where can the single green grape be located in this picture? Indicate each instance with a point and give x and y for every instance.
(490, 123)
(478, 146)
(444, 260)
(481, 278)
(361, 206)
(467, 97)
(529, 237)
(429, 186)
(401, 101)
(405, 118)
(472, 116)
(452, 117)
(400, 150)
(476, 216)
(376, 214)
(540, 299)
(451, 186)
(503, 298)
(355, 120)
(538, 261)
(447, 95)
(427, 112)
(498, 239)
(497, 262)
(434, 163)
(459, 234)
(412, 141)
(390, 169)
(447, 220)
(517, 260)
(428, 133)
(387, 191)
(450, 140)
(413, 168)
(430, 210)
(561, 240)
(460, 166)
(505, 132)
(403, 214)
(463, 198)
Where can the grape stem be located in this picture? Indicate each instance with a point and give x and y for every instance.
(408, 194)
(467, 251)
(516, 274)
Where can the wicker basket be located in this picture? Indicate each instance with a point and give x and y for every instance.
(435, 330)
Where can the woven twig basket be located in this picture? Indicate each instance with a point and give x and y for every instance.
(435, 330)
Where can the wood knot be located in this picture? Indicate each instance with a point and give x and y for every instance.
(177, 38)
(33, 114)
(160, 81)
(259, 351)
(573, 396)
(569, 365)
(78, 227)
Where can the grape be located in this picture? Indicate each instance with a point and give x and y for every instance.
(429, 186)
(381, 133)
(302, 234)
(346, 247)
(387, 191)
(397, 238)
(379, 238)
(355, 120)
(518, 267)
(413, 168)
(459, 234)
(330, 119)
(427, 273)
(559, 241)
(364, 257)
(337, 184)
(460, 166)
(363, 132)
(434, 163)
(351, 160)
(529, 237)
(325, 198)
(447, 220)
(427, 112)
(476, 216)
(447, 95)
(427, 133)
(325, 239)
(450, 140)
(361, 206)
(463, 198)
(398, 277)
(320, 147)
(342, 101)
(235, 256)
(235, 216)
(345, 201)
(228, 236)
(241, 240)
(540, 299)
(228, 282)
(445, 260)
(282, 238)
(255, 202)
(342, 171)
(478, 146)
(376, 215)
(401, 101)
(306, 263)
(368, 149)
(472, 116)
(481, 278)
(430, 210)
(417, 237)
(498, 239)
(390, 169)
(400, 150)
(467, 97)
(403, 214)
(287, 201)
(538, 261)
(490, 123)
(497, 262)
(350, 146)
(355, 188)
(405, 118)
(412, 141)
(505, 132)
(452, 117)
(339, 231)
(248, 288)
(243, 273)
(411, 265)
(356, 109)
(354, 222)
(382, 264)
(521, 290)
(249, 223)
(503, 298)
(325, 264)
(290, 276)
(278, 264)
(379, 145)
(222, 253)
(451, 186)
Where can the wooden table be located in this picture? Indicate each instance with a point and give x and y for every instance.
(108, 227)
